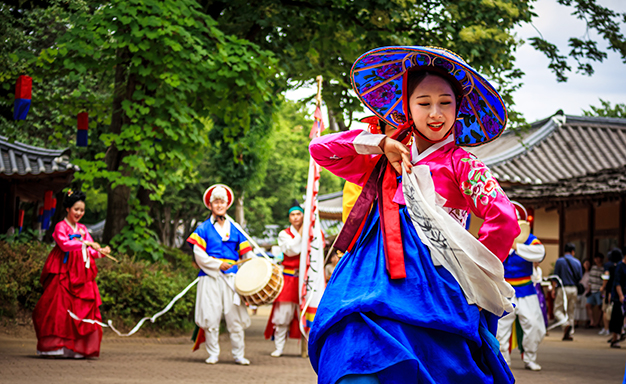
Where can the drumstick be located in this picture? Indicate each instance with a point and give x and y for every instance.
(250, 239)
(239, 262)
(109, 256)
(102, 253)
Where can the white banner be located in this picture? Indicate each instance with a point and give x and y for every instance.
(311, 280)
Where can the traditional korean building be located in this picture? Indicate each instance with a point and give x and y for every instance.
(26, 174)
(570, 173)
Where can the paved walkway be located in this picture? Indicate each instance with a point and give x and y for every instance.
(587, 359)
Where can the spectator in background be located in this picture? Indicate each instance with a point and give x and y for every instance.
(537, 279)
(616, 325)
(594, 298)
(581, 316)
(607, 287)
(330, 267)
(569, 270)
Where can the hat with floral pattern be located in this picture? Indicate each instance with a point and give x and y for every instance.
(379, 79)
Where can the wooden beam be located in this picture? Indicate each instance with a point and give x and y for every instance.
(545, 241)
(591, 230)
(561, 228)
(622, 222)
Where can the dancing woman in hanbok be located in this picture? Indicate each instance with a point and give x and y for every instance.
(69, 282)
(416, 299)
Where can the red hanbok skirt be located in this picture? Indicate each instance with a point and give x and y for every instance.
(288, 294)
(68, 286)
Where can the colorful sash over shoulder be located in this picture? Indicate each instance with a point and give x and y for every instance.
(383, 184)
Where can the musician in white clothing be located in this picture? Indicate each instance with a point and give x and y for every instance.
(518, 271)
(217, 245)
(283, 320)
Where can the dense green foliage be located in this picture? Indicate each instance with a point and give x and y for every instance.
(183, 94)
(326, 36)
(164, 69)
(287, 170)
(607, 110)
(129, 290)
(605, 21)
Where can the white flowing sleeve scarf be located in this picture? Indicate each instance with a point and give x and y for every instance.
(477, 270)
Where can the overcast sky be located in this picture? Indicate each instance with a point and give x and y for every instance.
(541, 95)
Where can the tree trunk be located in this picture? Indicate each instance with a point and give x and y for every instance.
(335, 125)
(239, 216)
(176, 223)
(117, 198)
(166, 225)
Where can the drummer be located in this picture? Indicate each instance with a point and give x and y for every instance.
(518, 270)
(217, 245)
(284, 315)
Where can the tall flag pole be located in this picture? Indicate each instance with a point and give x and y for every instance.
(311, 280)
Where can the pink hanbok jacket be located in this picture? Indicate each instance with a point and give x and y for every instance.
(459, 177)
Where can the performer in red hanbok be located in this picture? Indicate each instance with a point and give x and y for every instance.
(284, 317)
(69, 282)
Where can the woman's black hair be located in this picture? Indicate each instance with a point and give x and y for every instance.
(382, 125)
(615, 255)
(72, 198)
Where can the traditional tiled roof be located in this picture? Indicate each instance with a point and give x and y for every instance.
(556, 149)
(17, 159)
(609, 183)
(330, 205)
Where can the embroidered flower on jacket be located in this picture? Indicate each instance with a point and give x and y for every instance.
(480, 184)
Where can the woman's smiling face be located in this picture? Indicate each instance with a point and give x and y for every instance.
(433, 107)
(76, 213)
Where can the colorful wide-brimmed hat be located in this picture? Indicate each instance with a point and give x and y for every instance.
(372, 124)
(219, 191)
(379, 79)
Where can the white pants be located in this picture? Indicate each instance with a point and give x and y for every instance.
(282, 317)
(214, 297)
(531, 320)
(559, 306)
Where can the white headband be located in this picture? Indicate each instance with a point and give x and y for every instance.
(219, 193)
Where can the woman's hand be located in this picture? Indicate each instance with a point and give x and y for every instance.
(106, 250)
(397, 153)
(95, 246)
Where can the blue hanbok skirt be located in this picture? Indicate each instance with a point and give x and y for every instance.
(419, 329)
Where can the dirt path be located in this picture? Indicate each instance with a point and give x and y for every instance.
(166, 360)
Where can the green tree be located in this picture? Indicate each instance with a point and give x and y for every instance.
(152, 74)
(324, 37)
(167, 68)
(607, 110)
(287, 170)
(605, 21)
